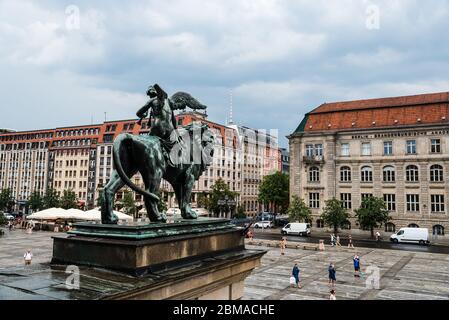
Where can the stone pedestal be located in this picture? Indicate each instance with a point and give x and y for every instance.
(186, 259)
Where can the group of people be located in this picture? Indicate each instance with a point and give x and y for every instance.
(332, 274)
(335, 241)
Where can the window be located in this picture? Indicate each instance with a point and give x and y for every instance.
(366, 149)
(314, 200)
(438, 230)
(309, 150)
(345, 149)
(388, 148)
(435, 146)
(411, 173)
(314, 174)
(436, 173)
(345, 174)
(413, 202)
(320, 223)
(412, 225)
(366, 174)
(366, 195)
(390, 227)
(388, 174)
(437, 203)
(390, 201)
(346, 200)
(411, 146)
(319, 150)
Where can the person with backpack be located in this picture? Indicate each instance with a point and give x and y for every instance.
(356, 261)
(332, 274)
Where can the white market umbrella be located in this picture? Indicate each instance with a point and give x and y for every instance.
(49, 214)
(95, 214)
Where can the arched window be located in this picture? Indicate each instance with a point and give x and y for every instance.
(345, 174)
(319, 223)
(388, 174)
(366, 174)
(438, 230)
(314, 174)
(390, 227)
(412, 173)
(413, 225)
(436, 173)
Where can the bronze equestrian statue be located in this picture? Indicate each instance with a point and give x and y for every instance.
(179, 156)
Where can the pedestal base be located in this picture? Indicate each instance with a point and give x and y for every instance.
(187, 259)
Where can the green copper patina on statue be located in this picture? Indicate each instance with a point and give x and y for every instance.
(178, 155)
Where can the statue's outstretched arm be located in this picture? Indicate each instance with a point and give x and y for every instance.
(143, 112)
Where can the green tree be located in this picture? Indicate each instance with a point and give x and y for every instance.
(6, 200)
(219, 191)
(162, 205)
(100, 199)
(36, 201)
(372, 213)
(298, 211)
(240, 214)
(129, 205)
(3, 220)
(51, 199)
(68, 200)
(334, 215)
(202, 200)
(274, 190)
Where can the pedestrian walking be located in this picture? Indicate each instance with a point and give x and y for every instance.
(378, 238)
(338, 241)
(283, 245)
(10, 225)
(350, 244)
(332, 239)
(356, 261)
(295, 274)
(332, 274)
(27, 257)
(332, 295)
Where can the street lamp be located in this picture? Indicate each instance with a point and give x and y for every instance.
(226, 202)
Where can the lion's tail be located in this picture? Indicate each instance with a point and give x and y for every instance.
(118, 143)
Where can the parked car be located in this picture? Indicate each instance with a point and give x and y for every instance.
(411, 235)
(281, 220)
(301, 229)
(263, 224)
(265, 216)
(8, 216)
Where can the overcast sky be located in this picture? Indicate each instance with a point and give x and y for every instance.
(279, 58)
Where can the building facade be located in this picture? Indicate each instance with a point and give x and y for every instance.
(79, 158)
(393, 148)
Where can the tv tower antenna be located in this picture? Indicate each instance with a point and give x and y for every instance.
(230, 108)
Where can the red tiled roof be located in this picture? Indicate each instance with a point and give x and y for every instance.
(398, 111)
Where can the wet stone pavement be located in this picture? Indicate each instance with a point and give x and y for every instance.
(403, 275)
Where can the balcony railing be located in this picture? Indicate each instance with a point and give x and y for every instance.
(313, 159)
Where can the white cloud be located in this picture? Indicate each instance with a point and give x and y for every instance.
(282, 58)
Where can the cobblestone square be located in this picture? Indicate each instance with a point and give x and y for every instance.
(404, 275)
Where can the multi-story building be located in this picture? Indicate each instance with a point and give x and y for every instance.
(72, 164)
(79, 158)
(393, 148)
(285, 161)
(24, 163)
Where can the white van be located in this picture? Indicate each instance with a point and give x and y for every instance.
(413, 235)
(302, 229)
